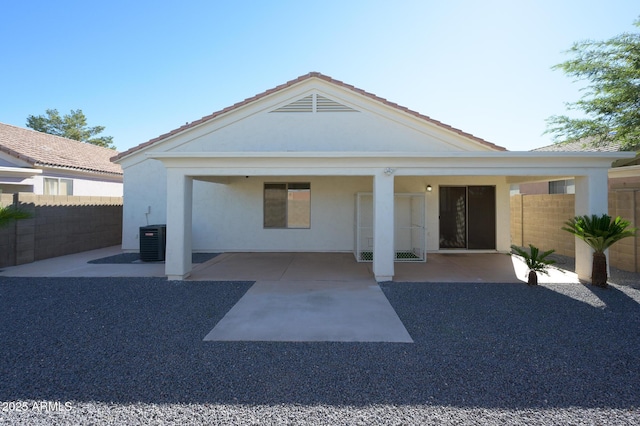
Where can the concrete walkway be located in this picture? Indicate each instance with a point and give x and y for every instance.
(303, 297)
(312, 311)
(75, 265)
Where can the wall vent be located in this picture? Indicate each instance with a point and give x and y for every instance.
(301, 105)
(329, 105)
(314, 103)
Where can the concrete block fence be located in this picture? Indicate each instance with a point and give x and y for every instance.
(59, 225)
(538, 218)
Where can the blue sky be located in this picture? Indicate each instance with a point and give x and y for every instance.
(142, 68)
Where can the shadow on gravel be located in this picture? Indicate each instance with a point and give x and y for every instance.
(126, 340)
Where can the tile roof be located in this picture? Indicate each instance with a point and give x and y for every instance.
(291, 83)
(42, 149)
(579, 146)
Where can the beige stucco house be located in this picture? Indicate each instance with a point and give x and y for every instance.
(317, 165)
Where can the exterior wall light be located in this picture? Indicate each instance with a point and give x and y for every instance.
(429, 188)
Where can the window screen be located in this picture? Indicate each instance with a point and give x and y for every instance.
(287, 205)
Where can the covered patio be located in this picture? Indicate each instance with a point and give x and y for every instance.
(385, 171)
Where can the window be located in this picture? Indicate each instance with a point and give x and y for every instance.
(55, 186)
(562, 187)
(287, 205)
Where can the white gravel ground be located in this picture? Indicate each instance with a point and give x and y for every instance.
(218, 414)
(130, 351)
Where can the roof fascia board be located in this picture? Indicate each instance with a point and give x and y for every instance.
(18, 172)
(73, 172)
(450, 164)
(558, 156)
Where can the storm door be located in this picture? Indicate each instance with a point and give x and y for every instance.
(468, 217)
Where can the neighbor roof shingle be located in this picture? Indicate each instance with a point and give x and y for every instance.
(291, 83)
(579, 146)
(45, 150)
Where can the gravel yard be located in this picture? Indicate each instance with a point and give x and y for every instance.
(616, 276)
(130, 351)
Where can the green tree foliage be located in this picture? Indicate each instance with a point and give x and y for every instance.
(611, 103)
(600, 233)
(70, 126)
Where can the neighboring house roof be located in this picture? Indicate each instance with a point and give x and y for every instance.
(585, 146)
(291, 83)
(580, 146)
(45, 150)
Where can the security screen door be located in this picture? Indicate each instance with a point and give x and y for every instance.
(468, 217)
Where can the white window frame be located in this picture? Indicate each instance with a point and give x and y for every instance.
(46, 181)
(290, 188)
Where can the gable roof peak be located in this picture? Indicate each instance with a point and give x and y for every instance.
(290, 83)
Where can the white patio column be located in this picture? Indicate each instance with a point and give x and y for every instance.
(179, 207)
(592, 197)
(383, 226)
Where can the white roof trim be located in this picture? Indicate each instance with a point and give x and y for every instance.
(401, 163)
(18, 172)
(608, 156)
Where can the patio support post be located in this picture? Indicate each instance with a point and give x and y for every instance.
(591, 198)
(179, 207)
(383, 226)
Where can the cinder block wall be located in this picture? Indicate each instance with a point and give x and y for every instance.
(517, 226)
(7, 236)
(625, 254)
(538, 219)
(63, 225)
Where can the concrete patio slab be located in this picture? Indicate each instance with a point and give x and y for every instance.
(475, 267)
(76, 265)
(243, 267)
(282, 266)
(312, 311)
(440, 267)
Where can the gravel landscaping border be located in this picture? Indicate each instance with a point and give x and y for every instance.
(130, 351)
(616, 276)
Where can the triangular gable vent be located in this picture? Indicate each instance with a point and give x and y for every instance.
(315, 103)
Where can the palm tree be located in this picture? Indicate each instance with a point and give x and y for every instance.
(536, 262)
(10, 213)
(600, 233)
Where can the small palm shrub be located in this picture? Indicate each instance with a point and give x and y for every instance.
(600, 233)
(535, 261)
(10, 213)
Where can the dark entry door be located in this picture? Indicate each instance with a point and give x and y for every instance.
(468, 217)
(453, 217)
